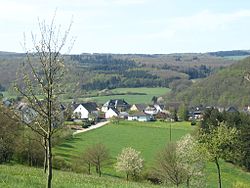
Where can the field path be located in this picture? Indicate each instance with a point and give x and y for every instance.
(91, 127)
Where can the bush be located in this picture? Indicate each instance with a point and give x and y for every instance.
(60, 163)
(193, 122)
(240, 185)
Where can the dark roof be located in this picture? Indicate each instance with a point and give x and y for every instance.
(231, 109)
(90, 106)
(117, 103)
(137, 114)
(140, 107)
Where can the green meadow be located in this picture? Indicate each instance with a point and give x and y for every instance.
(132, 95)
(26, 177)
(148, 137)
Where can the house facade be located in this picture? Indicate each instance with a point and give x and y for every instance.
(85, 110)
(118, 104)
(112, 112)
(138, 107)
(139, 116)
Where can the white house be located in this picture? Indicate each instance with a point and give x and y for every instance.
(159, 108)
(151, 110)
(83, 110)
(139, 116)
(112, 112)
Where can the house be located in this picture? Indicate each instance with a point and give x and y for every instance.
(138, 107)
(112, 112)
(151, 110)
(139, 116)
(123, 115)
(196, 112)
(84, 110)
(231, 109)
(159, 107)
(118, 104)
(27, 113)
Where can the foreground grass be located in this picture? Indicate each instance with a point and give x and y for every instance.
(26, 177)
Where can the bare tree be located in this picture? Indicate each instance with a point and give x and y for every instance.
(167, 167)
(40, 84)
(96, 155)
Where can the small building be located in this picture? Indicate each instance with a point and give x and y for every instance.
(138, 107)
(84, 110)
(112, 112)
(123, 115)
(140, 116)
(118, 104)
(232, 109)
(159, 107)
(151, 110)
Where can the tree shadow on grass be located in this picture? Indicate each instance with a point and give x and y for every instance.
(66, 145)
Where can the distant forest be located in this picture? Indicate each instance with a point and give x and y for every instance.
(87, 72)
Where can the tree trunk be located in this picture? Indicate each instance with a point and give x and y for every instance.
(99, 170)
(45, 163)
(49, 177)
(89, 168)
(219, 172)
(127, 176)
(188, 182)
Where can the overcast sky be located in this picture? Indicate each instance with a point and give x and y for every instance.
(133, 26)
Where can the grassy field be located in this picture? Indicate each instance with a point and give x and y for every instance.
(145, 96)
(148, 138)
(26, 177)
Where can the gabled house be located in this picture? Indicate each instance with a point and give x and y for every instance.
(84, 110)
(118, 104)
(159, 107)
(196, 112)
(27, 113)
(138, 107)
(112, 112)
(231, 109)
(140, 116)
(151, 110)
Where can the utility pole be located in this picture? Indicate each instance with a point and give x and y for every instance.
(170, 132)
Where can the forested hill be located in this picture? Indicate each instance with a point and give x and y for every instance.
(100, 71)
(226, 87)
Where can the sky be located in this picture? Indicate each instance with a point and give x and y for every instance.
(132, 26)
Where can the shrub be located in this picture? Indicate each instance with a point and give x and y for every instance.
(60, 163)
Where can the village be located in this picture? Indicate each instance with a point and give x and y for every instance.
(83, 115)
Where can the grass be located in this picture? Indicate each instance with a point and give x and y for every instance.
(149, 138)
(145, 96)
(26, 177)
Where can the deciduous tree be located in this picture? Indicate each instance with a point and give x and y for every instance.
(219, 143)
(41, 75)
(130, 162)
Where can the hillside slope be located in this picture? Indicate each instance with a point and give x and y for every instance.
(27, 177)
(226, 87)
(101, 71)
